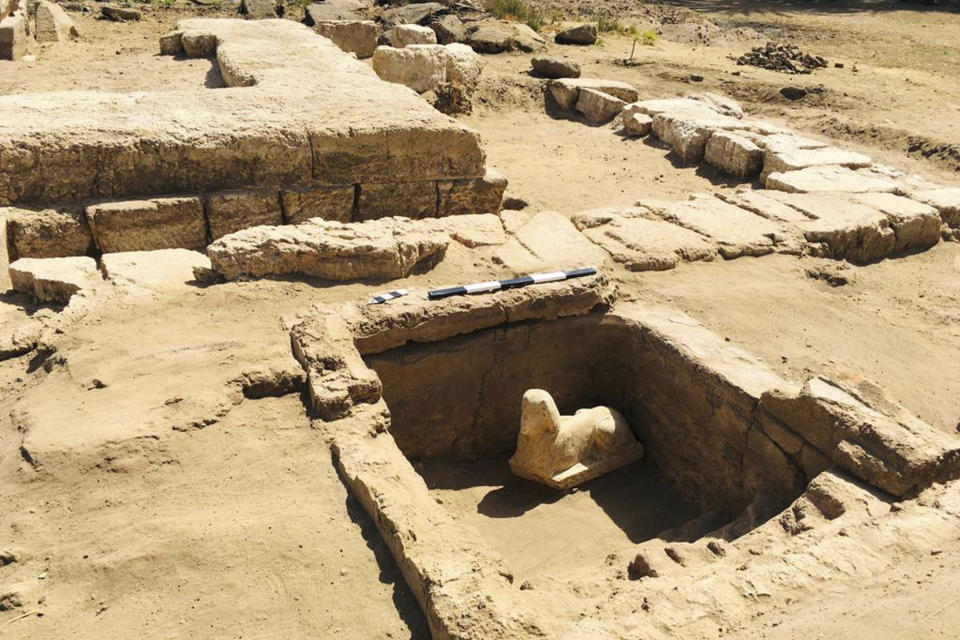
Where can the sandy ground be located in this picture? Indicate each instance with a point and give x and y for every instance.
(141, 525)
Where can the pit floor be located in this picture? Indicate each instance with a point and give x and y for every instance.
(541, 532)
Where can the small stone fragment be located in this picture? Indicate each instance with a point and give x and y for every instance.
(53, 279)
(554, 68)
(581, 34)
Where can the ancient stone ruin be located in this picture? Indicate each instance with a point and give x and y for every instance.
(529, 456)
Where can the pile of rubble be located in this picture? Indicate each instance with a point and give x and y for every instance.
(785, 58)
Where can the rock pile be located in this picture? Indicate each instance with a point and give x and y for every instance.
(785, 58)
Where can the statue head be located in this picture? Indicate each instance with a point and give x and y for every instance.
(538, 413)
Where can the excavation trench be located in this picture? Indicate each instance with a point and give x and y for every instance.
(455, 414)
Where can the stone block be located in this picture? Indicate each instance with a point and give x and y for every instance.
(548, 242)
(407, 199)
(53, 279)
(53, 24)
(171, 43)
(733, 154)
(198, 44)
(687, 137)
(404, 35)
(471, 195)
(554, 68)
(13, 36)
(781, 158)
(598, 107)
(329, 203)
(580, 34)
(160, 270)
(121, 14)
(566, 91)
(495, 36)
(353, 36)
(231, 211)
(636, 124)
(946, 201)
(148, 225)
(828, 179)
(47, 233)
(4, 255)
(259, 9)
(420, 67)
(449, 29)
(464, 65)
(386, 248)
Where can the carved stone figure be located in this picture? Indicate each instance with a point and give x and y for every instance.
(564, 451)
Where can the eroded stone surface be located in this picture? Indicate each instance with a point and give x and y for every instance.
(53, 279)
(640, 243)
(403, 35)
(566, 91)
(353, 36)
(385, 248)
(53, 24)
(548, 242)
(733, 154)
(555, 68)
(146, 225)
(828, 178)
(598, 107)
(160, 270)
(47, 233)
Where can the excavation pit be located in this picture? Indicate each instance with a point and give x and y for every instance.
(421, 402)
(455, 414)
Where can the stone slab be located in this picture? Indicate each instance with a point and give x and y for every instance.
(162, 270)
(828, 179)
(53, 279)
(231, 211)
(47, 233)
(407, 199)
(566, 91)
(548, 242)
(640, 243)
(352, 36)
(946, 201)
(147, 225)
(329, 203)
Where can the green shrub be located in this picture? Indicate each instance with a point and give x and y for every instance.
(518, 10)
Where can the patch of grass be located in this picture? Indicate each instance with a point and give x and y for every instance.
(518, 10)
(648, 37)
(608, 25)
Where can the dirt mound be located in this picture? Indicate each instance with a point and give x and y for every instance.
(785, 58)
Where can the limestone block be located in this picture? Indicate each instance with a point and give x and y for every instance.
(471, 195)
(471, 230)
(637, 124)
(498, 36)
(449, 29)
(687, 137)
(47, 233)
(147, 225)
(766, 204)
(385, 248)
(721, 104)
(121, 14)
(828, 179)
(230, 211)
(53, 24)
(464, 65)
(733, 154)
(53, 279)
(413, 13)
(845, 228)
(555, 68)
(640, 243)
(198, 44)
(329, 203)
(565, 451)
(160, 270)
(736, 231)
(13, 36)
(548, 242)
(320, 11)
(580, 34)
(353, 36)
(407, 199)
(260, 9)
(404, 35)
(598, 107)
(171, 43)
(783, 158)
(946, 201)
(566, 91)
(915, 225)
(420, 67)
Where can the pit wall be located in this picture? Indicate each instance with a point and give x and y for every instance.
(703, 408)
(712, 417)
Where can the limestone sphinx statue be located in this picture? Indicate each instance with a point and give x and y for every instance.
(565, 451)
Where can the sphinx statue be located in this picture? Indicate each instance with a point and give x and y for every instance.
(565, 451)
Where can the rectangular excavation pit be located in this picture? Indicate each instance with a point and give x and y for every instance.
(455, 414)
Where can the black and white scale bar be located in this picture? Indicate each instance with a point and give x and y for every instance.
(512, 283)
(389, 295)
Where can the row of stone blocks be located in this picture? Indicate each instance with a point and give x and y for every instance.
(191, 222)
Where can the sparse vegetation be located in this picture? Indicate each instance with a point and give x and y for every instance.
(517, 10)
(606, 25)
